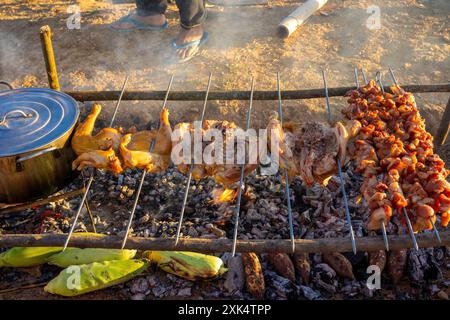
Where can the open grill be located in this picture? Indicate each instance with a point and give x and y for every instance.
(388, 242)
(425, 239)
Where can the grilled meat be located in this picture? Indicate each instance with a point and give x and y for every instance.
(83, 140)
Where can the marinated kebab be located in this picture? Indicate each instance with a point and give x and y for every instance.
(394, 152)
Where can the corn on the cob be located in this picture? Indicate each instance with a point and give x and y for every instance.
(77, 256)
(85, 278)
(27, 256)
(254, 278)
(32, 256)
(188, 265)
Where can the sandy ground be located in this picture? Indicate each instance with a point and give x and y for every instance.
(414, 40)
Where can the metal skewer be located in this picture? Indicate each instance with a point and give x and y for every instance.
(435, 230)
(286, 177)
(383, 225)
(356, 78)
(144, 173)
(341, 178)
(364, 77)
(241, 181)
(91, 178)
(188, 183)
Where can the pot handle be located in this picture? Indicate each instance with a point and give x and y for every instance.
(35, 154)
(7, 84)
(4, 119)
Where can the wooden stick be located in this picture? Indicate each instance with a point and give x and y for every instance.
(27, 205)
(29, 286)
(49, 57)
(424, 240)
(236, 95)
(444, 126)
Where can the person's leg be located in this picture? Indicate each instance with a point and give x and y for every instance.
(149, 12)
(192, 16)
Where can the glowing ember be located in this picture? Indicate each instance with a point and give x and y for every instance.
(223, 195)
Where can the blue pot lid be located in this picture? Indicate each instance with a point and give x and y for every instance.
(32, 118)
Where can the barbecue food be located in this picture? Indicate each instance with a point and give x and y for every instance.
(282, 264)
(95, 276)
(311, 149)
(340, 264)
(222, 167)
(254, 277)
(396, 264)
(135, 148)
(21, 257)
(99, 159)
(188, 265)
(394, 152)
(77, 256)
(302, 266)
(83, 141)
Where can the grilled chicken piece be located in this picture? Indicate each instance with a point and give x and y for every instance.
(223, 173)
(216, 135)
(134, 148)
(311, 149)
(100, 159)
(83, 140)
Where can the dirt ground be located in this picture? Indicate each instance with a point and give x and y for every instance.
(414, 40)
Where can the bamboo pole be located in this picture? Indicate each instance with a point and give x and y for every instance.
(237, 95)
(49, 57)
(396, 242)
(444, 126)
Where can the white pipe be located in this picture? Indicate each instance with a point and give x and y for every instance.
(298, 17)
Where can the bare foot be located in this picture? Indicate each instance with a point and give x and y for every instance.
(156, 20)
(185, 36)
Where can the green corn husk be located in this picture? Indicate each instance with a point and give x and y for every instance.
(188, 265)
(77, 256)
(77, 280)
(21, 257)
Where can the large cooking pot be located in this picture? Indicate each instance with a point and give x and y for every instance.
(35, 153)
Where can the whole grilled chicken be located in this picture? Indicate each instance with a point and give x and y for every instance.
(225, 171)
(83, 140)
(135, 148)
(311, 149)
(100, 159)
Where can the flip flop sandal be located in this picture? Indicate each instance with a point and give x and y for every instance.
(137, 25)
(196, 43)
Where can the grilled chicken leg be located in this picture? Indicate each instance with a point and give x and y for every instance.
(99, 159)
(83, 140)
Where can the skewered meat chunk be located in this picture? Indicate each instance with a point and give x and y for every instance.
(393, 142)
(134, 148)
(100, 159)
(310, 150)
(83, 140)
